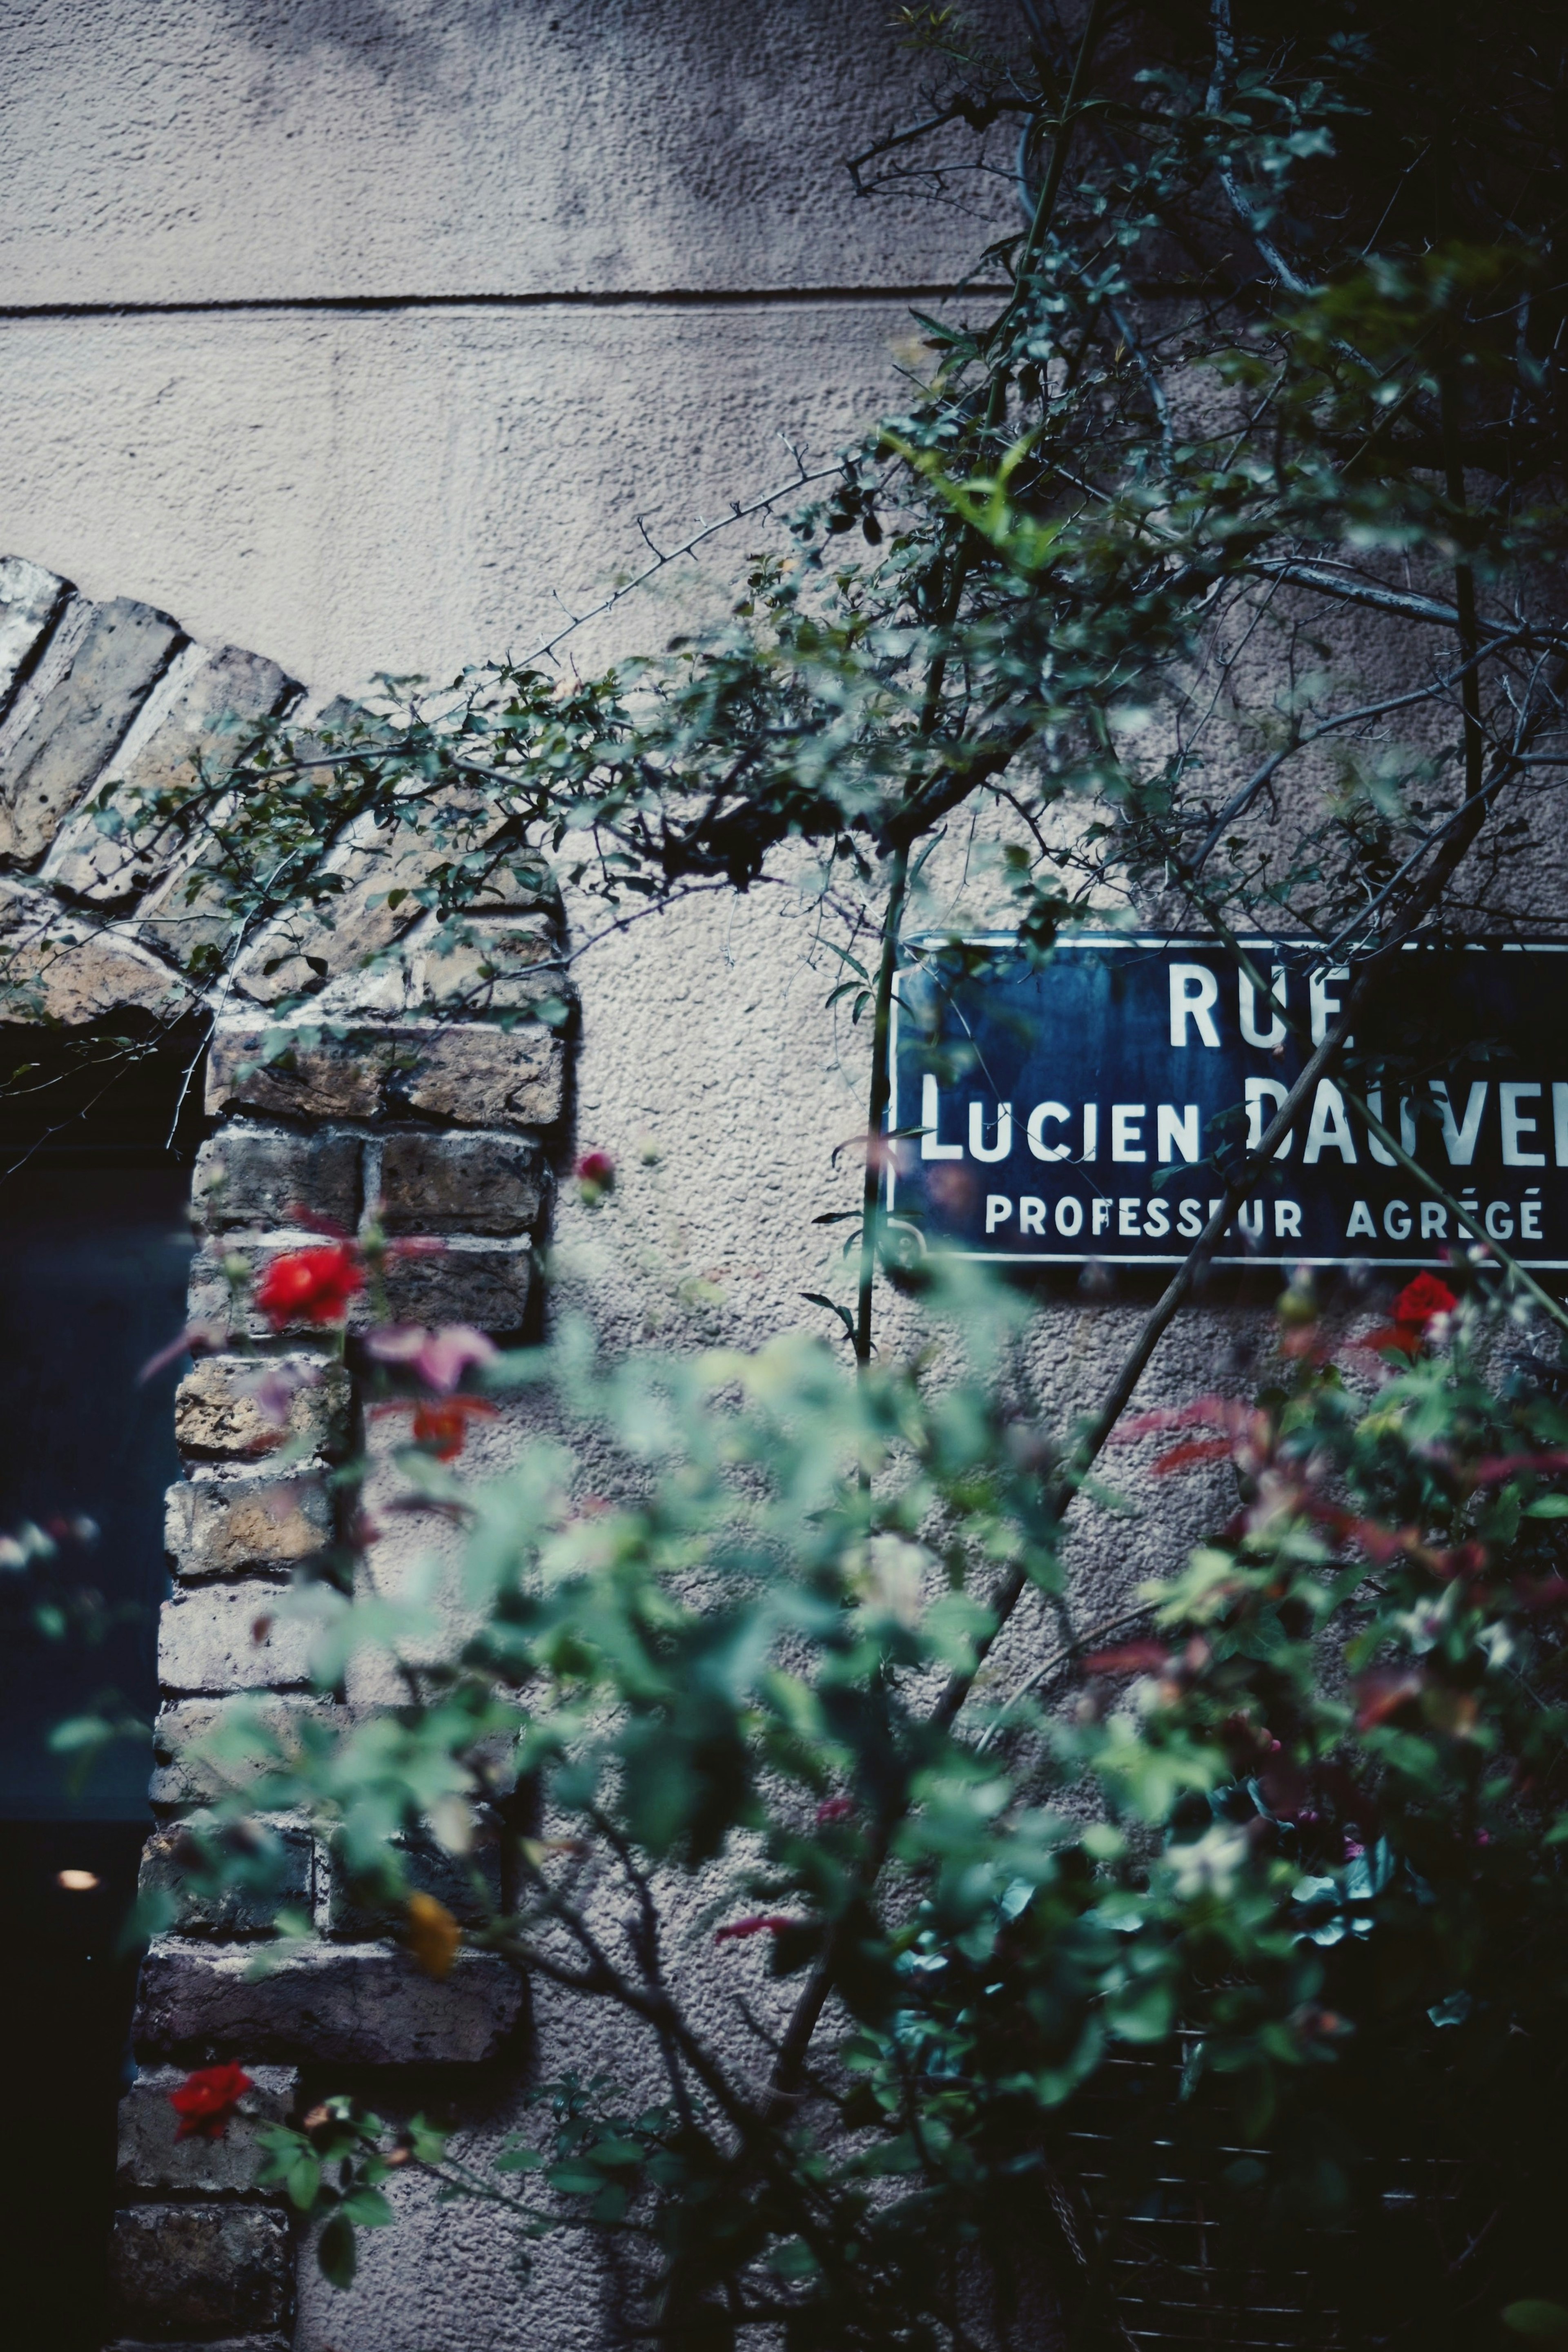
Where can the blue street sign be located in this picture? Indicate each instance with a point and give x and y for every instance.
(1092, 1107)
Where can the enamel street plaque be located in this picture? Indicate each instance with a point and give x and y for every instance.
(1092, 1108)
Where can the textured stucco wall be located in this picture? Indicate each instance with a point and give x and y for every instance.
(350, 333)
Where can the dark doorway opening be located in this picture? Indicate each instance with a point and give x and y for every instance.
(96, 1138)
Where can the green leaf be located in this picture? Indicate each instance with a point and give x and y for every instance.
(1542, 2322)
(368, 2207)
(575, 2180)
(337, 2257)
(1545, 1506)
(303, 2183)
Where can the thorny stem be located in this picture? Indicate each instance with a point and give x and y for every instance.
(877, 1145)
(898, 882)
(789, 2070)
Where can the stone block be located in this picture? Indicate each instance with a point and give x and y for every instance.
(209, 1301)
(59, 969)
(217, 1413)
(281, 1877)
(344, 2004)
(482, 968)
(436, 1183)
(187, 916)
(475, 1076)
(200, 2268)
(195, 726)
(151, 2158)
(208, 2344)
(30, 600)
(259, 1176)
(485, 1287)
(325, 1075)
(218, 1526)
(229, 1637)
(300, 954)
(356, 1915)
(462, 1075)
(100, 663)
(186, 1774)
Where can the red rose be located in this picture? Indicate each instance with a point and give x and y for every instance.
(1418, 1304)
(310, 1285)
(445, 1426)
(595, 1176)
(763, 1924)
(206, 2099)
(1421, 1299)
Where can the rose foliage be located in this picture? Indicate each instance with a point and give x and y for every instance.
(1264, 1883)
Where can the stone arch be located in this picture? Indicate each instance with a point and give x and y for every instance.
(405, 1093)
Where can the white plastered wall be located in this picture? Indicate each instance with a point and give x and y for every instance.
(357, 334)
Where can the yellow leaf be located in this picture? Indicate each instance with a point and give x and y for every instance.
(433, 1934)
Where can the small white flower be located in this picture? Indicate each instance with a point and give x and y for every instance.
(1211, 1865)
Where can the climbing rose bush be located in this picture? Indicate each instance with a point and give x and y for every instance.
(1286, 1829)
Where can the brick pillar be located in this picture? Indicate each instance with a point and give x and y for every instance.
(437, 1128)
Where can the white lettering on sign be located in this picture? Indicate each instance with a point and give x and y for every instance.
(1034, 1133)
(998, 1208)
(1459, 1141)
(930, 1125)
(1260, 1091)
(1195, 993)
(1031, 1215)
(1516, 1125)
(1125, 1121)
(1173, 1134)
(1274, 1036)
(1328, 1129)
(1379, 1151)
(1323, 1005)
(978, 1147)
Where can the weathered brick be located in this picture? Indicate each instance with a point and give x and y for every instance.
(209, 1302)
(112, 849)
(229, 1637)
(217, 1413)
(357, 1915)
(351, 2004)
(487, 968)
(475, 1077)
(284, 1876)
(487, 1288)
(465, 1074)
(59, 969)
(67, 720)
(435, 1183)
(186, 1772)
(208, 2344)
(216, 1525)
(339, 1075)
(30, 599)
(152, 2159)
(187, 916)
(259, 1176)
(199, 2267)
